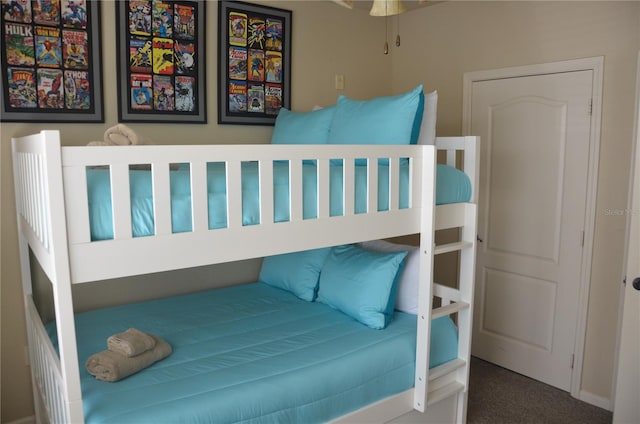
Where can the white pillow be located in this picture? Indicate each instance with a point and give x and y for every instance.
(407, 295)
(428, 126)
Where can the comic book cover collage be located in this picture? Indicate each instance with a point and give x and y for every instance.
(255, 80)
(162, 41)
(46, 55)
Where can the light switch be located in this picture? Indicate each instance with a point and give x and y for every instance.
(339, 82)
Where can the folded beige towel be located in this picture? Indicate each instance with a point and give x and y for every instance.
(111, 366)
(122, 135)
(131, 342)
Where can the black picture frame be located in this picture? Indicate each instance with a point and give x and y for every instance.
(51, 62)
(161, 68)
(240, 54)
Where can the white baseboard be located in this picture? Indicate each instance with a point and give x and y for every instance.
(25, 420)
(596, 400)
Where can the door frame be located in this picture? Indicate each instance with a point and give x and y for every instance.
(626, 267)
(596, 65)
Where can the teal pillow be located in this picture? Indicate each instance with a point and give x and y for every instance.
(302, 127)
(361, 283)
(383, 120)
(295, 272)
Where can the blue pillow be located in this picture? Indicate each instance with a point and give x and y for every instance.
(302, 127)
(383, 120)
(295, 272)
(361, 283)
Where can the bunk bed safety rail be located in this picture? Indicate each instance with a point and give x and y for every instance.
(31, 159)
(301, 233)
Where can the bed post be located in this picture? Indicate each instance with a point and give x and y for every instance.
(42, 226)
(427, 244)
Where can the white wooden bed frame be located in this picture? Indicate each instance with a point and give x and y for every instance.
(53, 222)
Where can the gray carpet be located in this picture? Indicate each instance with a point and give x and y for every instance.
(497, 395)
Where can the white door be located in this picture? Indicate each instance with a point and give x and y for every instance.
(627, 400)
(535, 140)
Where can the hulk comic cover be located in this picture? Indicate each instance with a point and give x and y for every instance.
(18, 40)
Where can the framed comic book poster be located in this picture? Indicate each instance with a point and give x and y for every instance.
(51, 69)
(161, 61)
(254, 63)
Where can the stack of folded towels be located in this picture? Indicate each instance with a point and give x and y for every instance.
(127, 353)
(121, 135)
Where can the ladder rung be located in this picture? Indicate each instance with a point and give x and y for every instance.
(449, 309)
(446, 368)
(445, 292)
(444, 392)
(451, 247)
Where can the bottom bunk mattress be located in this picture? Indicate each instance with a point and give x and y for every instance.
(252, 353)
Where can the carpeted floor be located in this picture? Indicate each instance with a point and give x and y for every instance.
(499, 396)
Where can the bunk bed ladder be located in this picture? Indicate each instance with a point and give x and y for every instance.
(450, 378)
(453, 377)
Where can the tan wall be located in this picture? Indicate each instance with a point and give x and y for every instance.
(439, 44)
(324, 42)
(442, 42)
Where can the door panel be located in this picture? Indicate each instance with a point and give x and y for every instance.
(533, 185)
(519, 192)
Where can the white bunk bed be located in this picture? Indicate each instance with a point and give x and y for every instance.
(53, 223)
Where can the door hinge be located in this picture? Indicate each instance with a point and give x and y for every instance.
(591, 106)
(573, 358)
(582, 239)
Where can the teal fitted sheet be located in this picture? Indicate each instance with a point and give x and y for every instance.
(453, 186)
(252, 353)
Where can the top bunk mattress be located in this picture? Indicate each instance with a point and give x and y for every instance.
(252, 353)
(452, 186)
